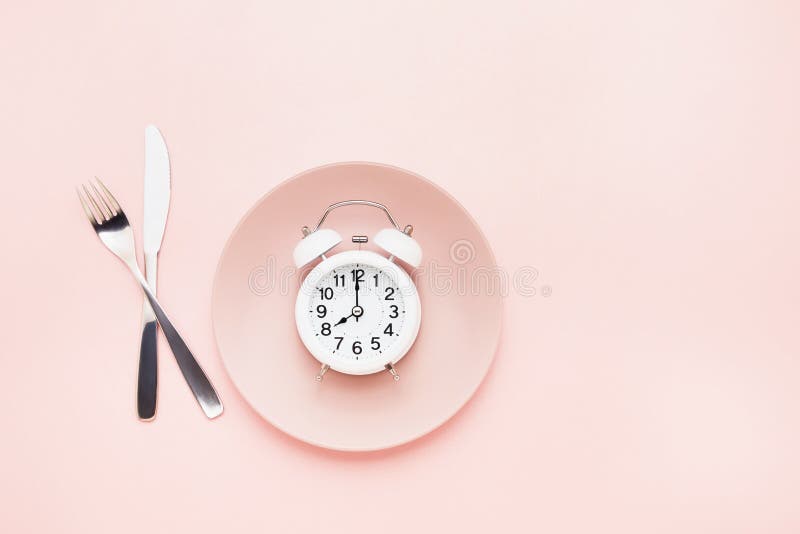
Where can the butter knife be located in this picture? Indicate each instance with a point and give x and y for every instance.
(156, 207)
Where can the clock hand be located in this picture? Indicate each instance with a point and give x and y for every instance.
(343, 320)
(357, 306)
(357, 312)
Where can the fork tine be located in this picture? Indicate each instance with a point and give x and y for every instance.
(89, 213)
(111, 199)
(102, 199)
(98, 210)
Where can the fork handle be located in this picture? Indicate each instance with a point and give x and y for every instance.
(198, 381)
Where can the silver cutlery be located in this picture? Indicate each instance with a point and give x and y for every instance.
(156, 207)
(113, 229)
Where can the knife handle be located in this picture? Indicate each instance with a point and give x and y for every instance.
(147, 386)
(147, 382)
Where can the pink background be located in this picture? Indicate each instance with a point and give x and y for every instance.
(642, 156)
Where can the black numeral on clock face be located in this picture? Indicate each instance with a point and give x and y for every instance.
(325, 293)
(388, 330)
(357, 347)
(322, 311)
(339, 280)
(376, 343)
(358, 275)
(339, 340)
(326, 329)
(394, 314)
(389, 294)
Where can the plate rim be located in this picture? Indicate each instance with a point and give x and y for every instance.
(354, 449)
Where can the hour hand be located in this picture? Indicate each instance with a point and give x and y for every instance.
(358, 311)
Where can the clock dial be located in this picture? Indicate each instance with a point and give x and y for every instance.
(357, 312)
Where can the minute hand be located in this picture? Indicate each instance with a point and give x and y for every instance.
(357, 288)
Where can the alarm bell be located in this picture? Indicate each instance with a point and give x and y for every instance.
(400, 245)
(315, 245)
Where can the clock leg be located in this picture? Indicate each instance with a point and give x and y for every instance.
(392, 371)
(322, 371)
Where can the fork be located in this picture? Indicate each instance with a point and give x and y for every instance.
(113, 229)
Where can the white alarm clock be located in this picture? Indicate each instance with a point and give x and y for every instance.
(358, 312)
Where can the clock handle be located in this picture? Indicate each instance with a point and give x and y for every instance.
(357, 203)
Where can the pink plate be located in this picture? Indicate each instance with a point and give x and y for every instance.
(253, 310)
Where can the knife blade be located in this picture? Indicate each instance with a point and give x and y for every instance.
(156, 207)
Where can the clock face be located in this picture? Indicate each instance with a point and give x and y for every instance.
(361, 310)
